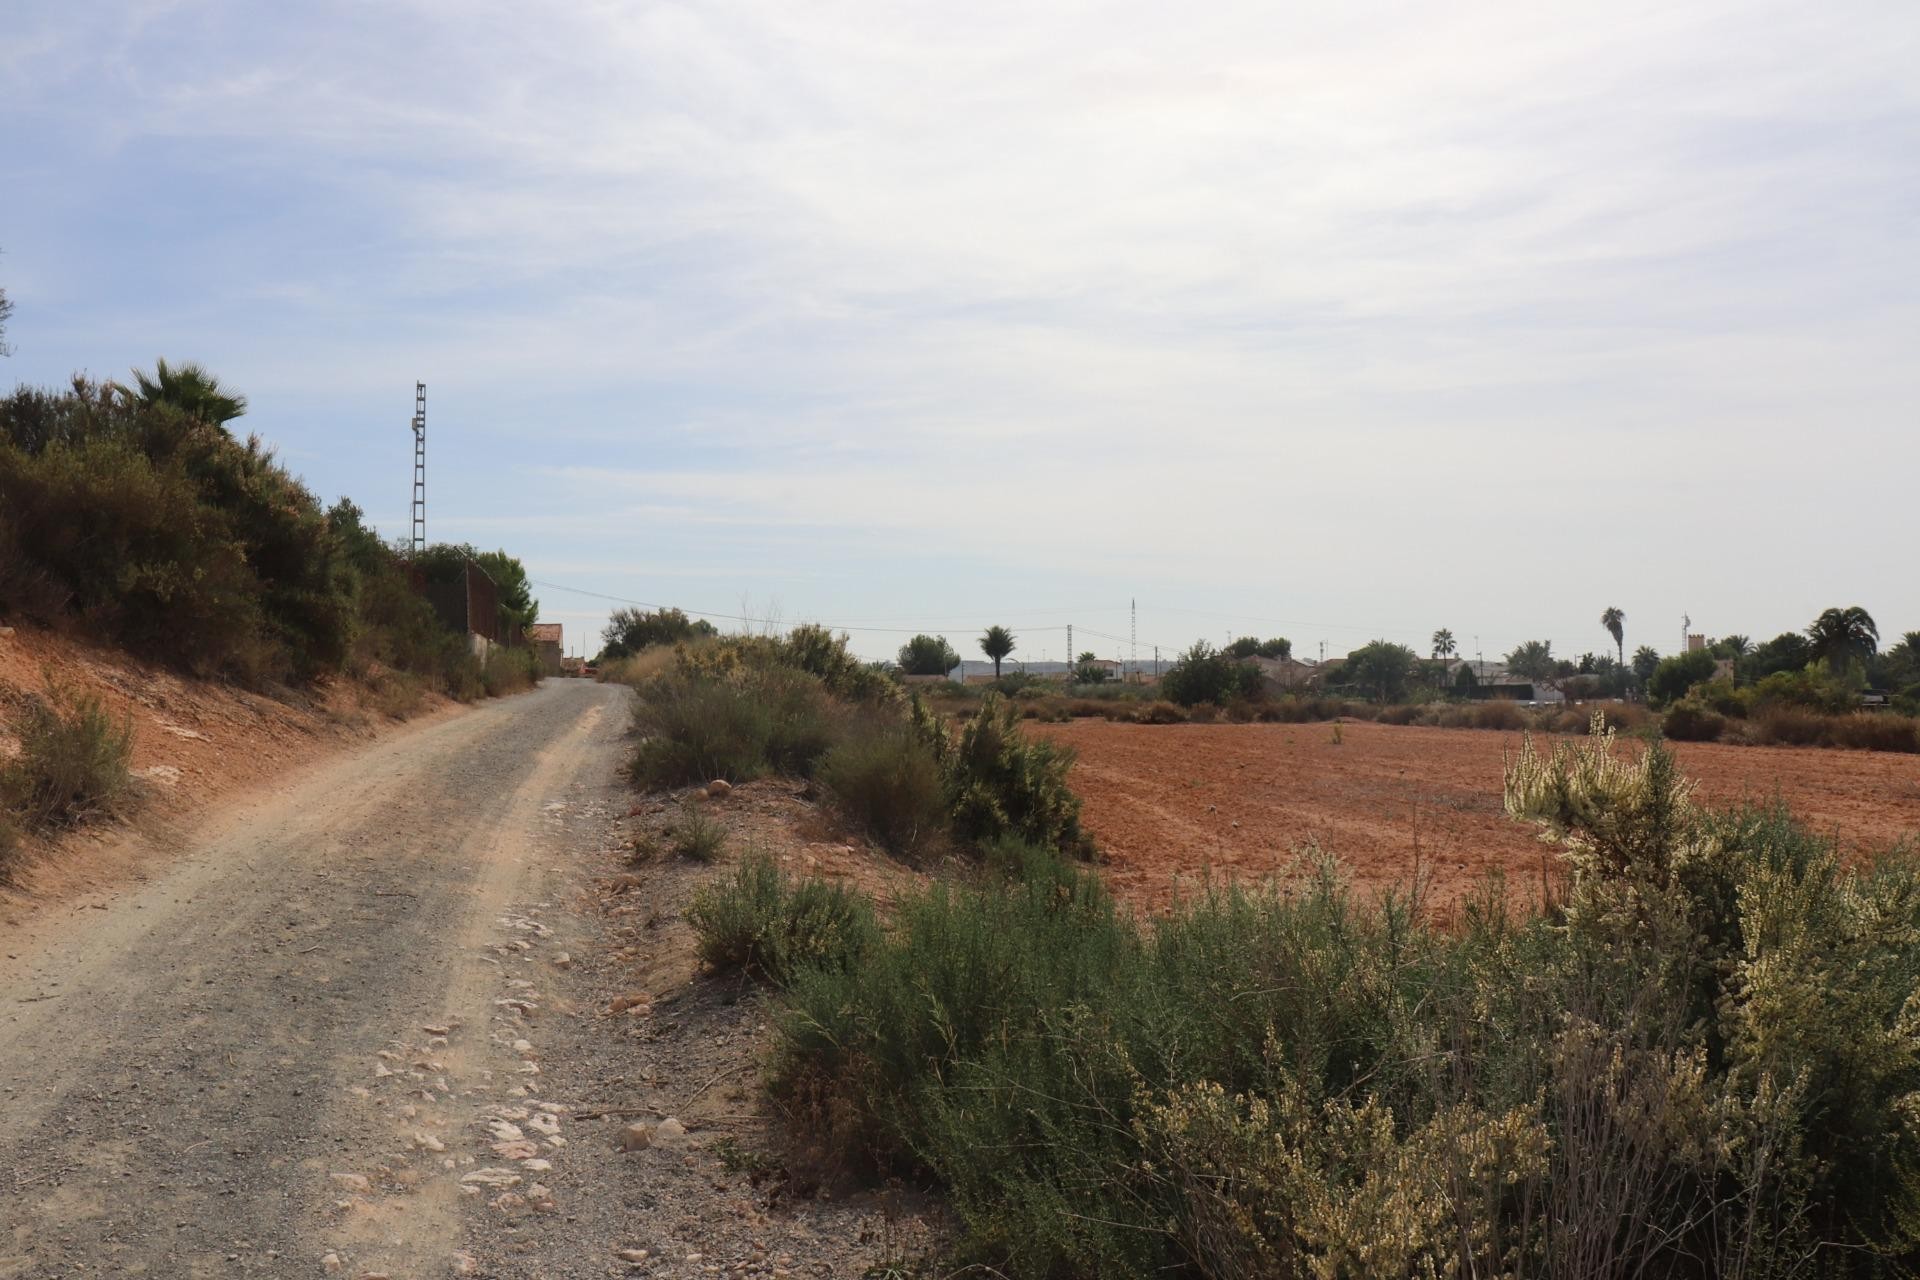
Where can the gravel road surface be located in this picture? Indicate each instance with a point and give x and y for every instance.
(309, 1046)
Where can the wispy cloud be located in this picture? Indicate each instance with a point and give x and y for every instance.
(1246, 306)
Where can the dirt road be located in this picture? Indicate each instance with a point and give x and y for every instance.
(301, 1049)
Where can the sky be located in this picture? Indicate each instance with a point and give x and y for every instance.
(1337, 322)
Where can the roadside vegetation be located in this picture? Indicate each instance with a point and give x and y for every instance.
(801, 706)
(71, 766)
(135, 515)
(1691, 1057)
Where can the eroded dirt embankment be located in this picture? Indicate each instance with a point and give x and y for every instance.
(195, 743)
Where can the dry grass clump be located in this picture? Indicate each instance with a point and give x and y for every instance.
(72, 766)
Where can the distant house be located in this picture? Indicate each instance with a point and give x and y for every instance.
(1285, 673)
(548, 645)
(976, 671)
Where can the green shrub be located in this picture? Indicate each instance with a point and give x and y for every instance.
(73, 760)
(884, 779)
(737, 726)
(1205, 674)
(160, 531)
(696, 836)
(1709, 1036)
(1690, 720)
(508, 671)
(761, 922)
(1807, 689)
(997, 781)
(1723, 697)
(1675, 675)
(820, 653)
(1160, 713)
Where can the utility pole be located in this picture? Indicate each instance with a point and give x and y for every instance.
(1070, 658)
(1133, 634)
(419, 467)
(1156, 662)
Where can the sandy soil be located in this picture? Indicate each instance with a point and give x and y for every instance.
(1173, 804)
(364, 1027)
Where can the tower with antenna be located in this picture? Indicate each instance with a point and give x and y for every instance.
(1133, 635)
(419, 467)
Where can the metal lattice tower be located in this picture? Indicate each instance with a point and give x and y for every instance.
(419, 467)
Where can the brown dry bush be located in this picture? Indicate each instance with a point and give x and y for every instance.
(1690, 720)
(1792, 727)
(1868, 731)
(1498, 715)
(72, 763)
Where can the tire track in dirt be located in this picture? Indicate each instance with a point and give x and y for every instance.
(191, 1079)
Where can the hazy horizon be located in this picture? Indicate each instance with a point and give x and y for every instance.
(1333, 324)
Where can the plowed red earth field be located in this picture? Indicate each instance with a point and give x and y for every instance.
(1173, 804)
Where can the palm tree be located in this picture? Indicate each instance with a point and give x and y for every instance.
(1840, 635)
(190, 389)
(1736, 646)
(996, 643)
(1443, 646)
(1615, 621)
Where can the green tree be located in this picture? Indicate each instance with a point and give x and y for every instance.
(1533, 659)
(1614, 620)
(1788, 651)
(629, 631)
(1646, 659)
(1443, 649)
(6, 313)
(1206, 674)
(190, 389)
(926, 655)
(511, 588)
(1902, 660)
(1244, 647)
(1276, 647)
(1087, 669)
(1674, 676)
(996, 643)
(1382, 668)
(1734, 646)
(1842, 636)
